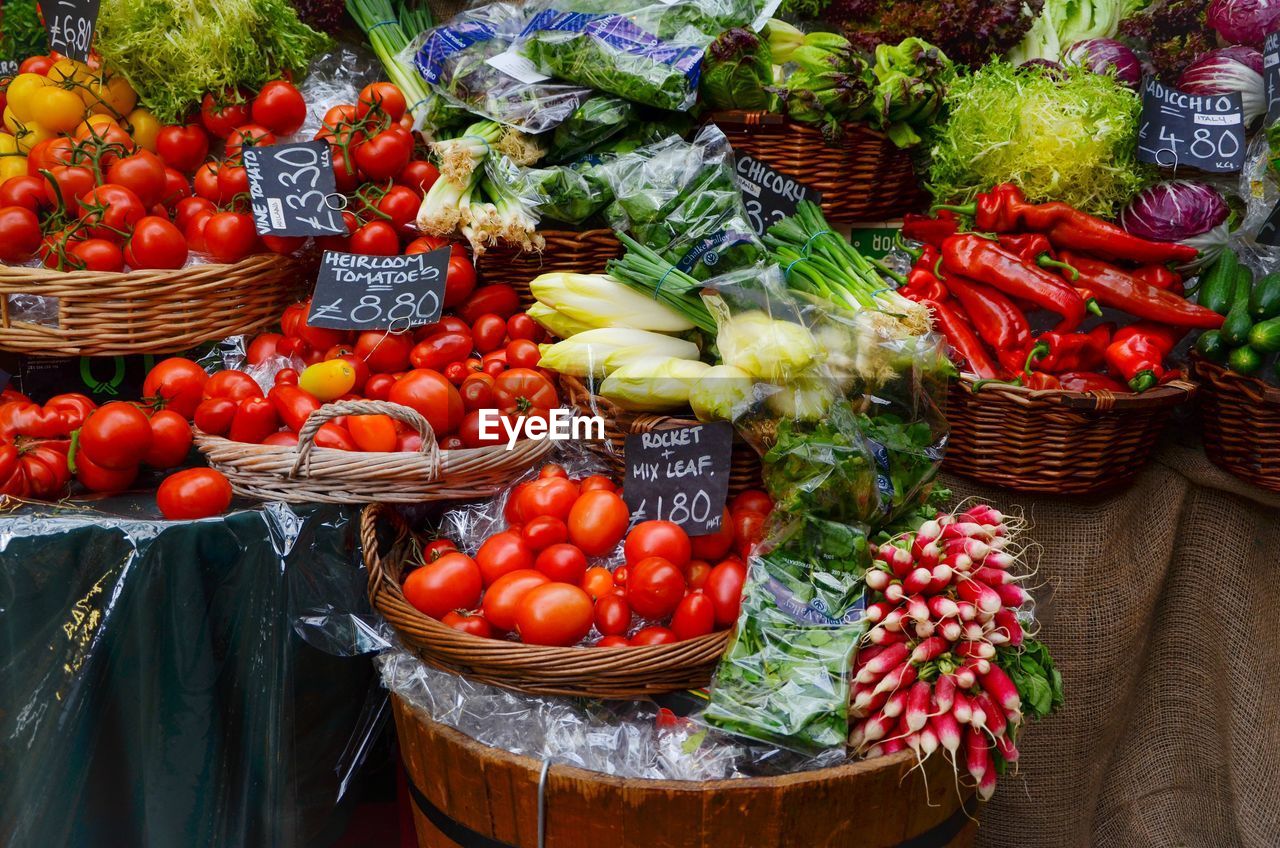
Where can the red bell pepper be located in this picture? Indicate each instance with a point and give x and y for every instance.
(932, 230)
(1058, 352)
(960, 336)
(1138, 360)
(922, 282)
(1122, 290)
(985, 261)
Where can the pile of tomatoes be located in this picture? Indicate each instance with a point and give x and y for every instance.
(546, 579)
(89, 182)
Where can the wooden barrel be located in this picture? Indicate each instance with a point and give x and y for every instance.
(468, 795)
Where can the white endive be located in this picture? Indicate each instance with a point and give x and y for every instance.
(721, 392)
(589, 353)
(804, 400)
(653, 384)
(766, 348)
(601, 301)
(556, 323)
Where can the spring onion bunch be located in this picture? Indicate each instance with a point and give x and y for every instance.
(389, 30)
(644, 270)
(460, 156)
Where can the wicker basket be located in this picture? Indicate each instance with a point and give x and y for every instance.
(863, 176)
(580, 672)
(154, 311)
(744, 463)
(585, 252)
(1055, 442)
(1240, 422)
(306, 474)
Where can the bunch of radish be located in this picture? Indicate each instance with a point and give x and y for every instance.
(944, 602)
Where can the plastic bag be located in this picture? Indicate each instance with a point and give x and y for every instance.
(597, 120)
(567, 193)
(683, 200)
(470, 62)
(646, 52)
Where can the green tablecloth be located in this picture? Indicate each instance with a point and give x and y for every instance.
(177, 684)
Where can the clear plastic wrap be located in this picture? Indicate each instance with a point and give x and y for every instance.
(570, 194)
(683, 200)
(647, 52)
(1260, 190)
(470, 61)
(596, 121)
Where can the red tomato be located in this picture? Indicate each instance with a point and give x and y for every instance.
(724, 588)
(519, 391)
(254, 421)
(283, 245)
(499, 299)
(383, 155)
(489, 332)
(206, 182)
(193, 493)
(230, 236)
(503, 597)
(335, 437)
(654, 587)
(214, 416)
(748, 530)
(418, 176)
(176, 188)
(37, 65)
(232, 384)
(346, 174)
(377, 238)
(521, 326)
(262, 347)
(481, 430)
(183, 147)
(440, 350)
(597, 582)
(543, 532)
(248, 135)
(67, 185)
(613, 615)
(450, 583)
(565, 563)
(460, 282)
(554, 496)
(142, 172)
(695, 616)
(381, 98)
(48, 154)
(655, 636)
(283, 439)
(752, 500)
(437, 548)
(468, 622)
(97, 255)
(170, 440)
(556, 614)
(280, 108)
(373, 433)
(597, 482)
(657, 539)
(292, 404)
(233, 179)
(714, 546)
(613, 642)
(401, 205)
(696, 574)
(503, 553)
(25, 191)
(523, 353)
(552, 470)
(95, 478)
(432, 396)
(597, 522)
(337, 116)
(222, 112)
(116, 436)
(19, 234)
(448, 443)
(383, 352)
(156, 243)
(110, 210)
(379, 387)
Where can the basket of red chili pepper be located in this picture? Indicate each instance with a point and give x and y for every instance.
(1072, 409)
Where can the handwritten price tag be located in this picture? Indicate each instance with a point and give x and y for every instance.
(293, 190)
(770, 195)
(356, 292)
(70, 25)
(680, 475)
(1180, 130)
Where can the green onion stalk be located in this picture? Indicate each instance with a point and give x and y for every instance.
(819, 262)
(508, 218)
(645, 271)
(447, 206)
(389, 34)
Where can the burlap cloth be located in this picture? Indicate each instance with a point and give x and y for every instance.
(1160, 605)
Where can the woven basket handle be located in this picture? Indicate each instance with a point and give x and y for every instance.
(307, 435)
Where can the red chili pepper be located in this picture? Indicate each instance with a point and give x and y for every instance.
(985, 261)
(960, 336)
(1005, 209)
(928, 229)
(1090, 381)
(1138, 360)
(996, 319)
(1041, 380)
(1122, 290)
(1059, 352)
(922, 283)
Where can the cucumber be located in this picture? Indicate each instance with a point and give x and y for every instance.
(1218, 285)
(1211, 346)
(1264, 303)
(1235, 330)
(1265, 337)
(1244, 360)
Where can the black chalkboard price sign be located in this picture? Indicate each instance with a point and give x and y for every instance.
(680, 475)
(356, 292)
(291, 187)
(70, 25)
(769, 195)
(1181, 130)
(1271, 75)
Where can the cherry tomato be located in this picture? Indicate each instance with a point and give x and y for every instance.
(379, 387)
(176, 188)
(521, 326)
(262, 347)
(110, 211)
(292, 404)
(713, 546)
(224, 111)
(657, 539)
(597, 582)
(206, 182)
(696, 574)
(501, 554)
(489, 332)
(373, 433)
(655, 636)
(95, 478)
(597, 482)
(468, 622)
(437, 548)
(460, 281)
(381, 98)
(384, 352)
(183, 147)
(279, 107)
(383, 155)
(142, 172)
(97, 255)
(335, 437)
(377, 238)
(418, 176)
(178, 384)
(597, 522)
(562, 562)
(441, 349)
(694, 616)
(25, 191)
(431, 396)
(543, 532)
(451, 582)
(19, 234)
(503, 597)
(476, 391)
(481, 429)
(232, 384)
(748, 530)
(654, 587)
(556, 614)
(499, 299)
(724, 588)
(116, 436)
(170, 440)
(156, 243)
(233, 180)
(448, 443)
(523, 353)
(613, 642)
(248, 135)
(613, 615)
(231, 236)
(401, 205)
(554, 496)
(752, 500)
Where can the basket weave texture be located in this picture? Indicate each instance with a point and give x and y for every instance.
(153, 311)
(1240, 423)
(863, 176)
(307, 474)
(573, 252)
(615, 673)
(1055, 442)
(744, 462)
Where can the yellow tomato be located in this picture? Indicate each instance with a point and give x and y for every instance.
(328, 380)
(93, 125)
(56, 108)
(112, 94)
(28, 134)
(8, 144)
(12, 165)
(145, 128)
(20, 92)
(69, 69)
